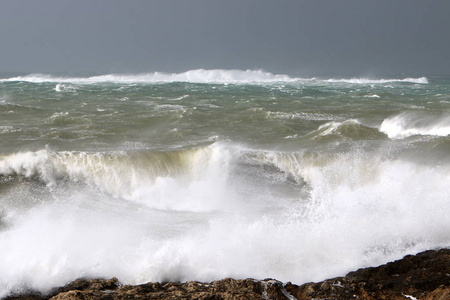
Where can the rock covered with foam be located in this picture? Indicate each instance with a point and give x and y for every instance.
(423, 276)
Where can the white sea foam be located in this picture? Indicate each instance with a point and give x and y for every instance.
(156, 179)
(356, 209)
(412, 123)
(420, 80)
(219, 76)
(9, 129)
(60, 87)
(30, 164)
(195, 76)
(299, 115)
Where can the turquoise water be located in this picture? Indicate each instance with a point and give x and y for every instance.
(214, 173)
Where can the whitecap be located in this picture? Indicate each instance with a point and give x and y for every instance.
(420, 80)
(60, 87)
(217, 76)
(413, 123)
(195, 76)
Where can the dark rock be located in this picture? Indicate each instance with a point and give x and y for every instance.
(423, 276)
(225, 289)
(89, 284)
(426, 274)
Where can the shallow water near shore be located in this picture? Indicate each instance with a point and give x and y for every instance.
(218, 173)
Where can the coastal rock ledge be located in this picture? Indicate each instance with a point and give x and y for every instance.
(422, 276)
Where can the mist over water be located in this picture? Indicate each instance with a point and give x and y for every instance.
(209, 174)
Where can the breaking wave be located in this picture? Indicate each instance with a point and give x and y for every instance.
(219, 76)
(152, 178)
(64, 88)
(414, 123)
(194, 76)
(322, 215)
(421, 80)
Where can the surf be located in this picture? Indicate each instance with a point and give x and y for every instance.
(203, 76)
(298, 180)
(213, 212)
(409, 124)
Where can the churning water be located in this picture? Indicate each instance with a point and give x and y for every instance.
(218, 173)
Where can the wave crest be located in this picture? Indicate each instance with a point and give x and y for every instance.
(352, 129)
(218, 76)
(412, 123)
(421, 80)
(193, 76)
(156, 179)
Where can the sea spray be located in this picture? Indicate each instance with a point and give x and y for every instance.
(355, 213)
(217, 173)
(201, 76)
(415, 123)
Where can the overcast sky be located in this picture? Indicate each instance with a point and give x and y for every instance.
(315, 37)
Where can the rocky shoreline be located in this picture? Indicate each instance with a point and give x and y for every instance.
(422, 276)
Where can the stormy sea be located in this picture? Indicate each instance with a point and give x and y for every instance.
(208, 174)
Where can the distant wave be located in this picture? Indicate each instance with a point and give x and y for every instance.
(220, 76)
(194, 76)
(413, 123)
(421, 80)
(64, 88)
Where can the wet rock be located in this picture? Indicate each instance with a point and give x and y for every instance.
(91, 284)
(422, 276)
(225, 289)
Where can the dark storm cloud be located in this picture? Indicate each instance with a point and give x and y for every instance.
(300, 37)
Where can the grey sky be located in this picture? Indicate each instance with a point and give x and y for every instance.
(355, 37)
